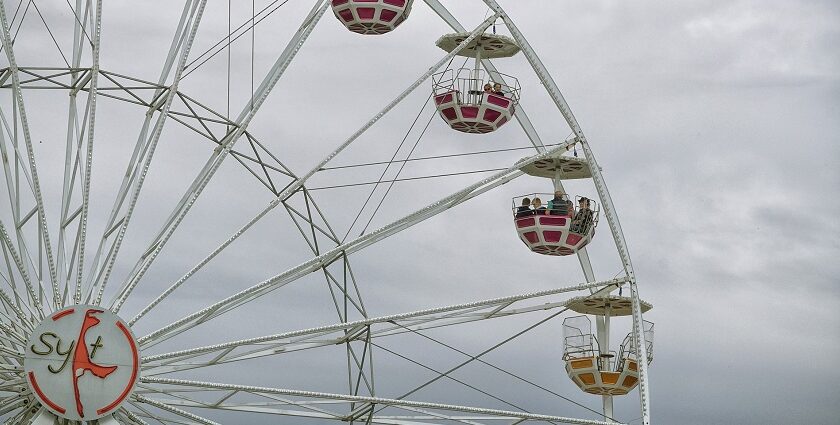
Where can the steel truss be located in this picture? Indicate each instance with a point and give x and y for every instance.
(48, 275)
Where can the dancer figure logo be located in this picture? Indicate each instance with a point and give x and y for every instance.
(97, 346)
(82, 360)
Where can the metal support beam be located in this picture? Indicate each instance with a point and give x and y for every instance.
(376, 327)
(219, 155)
(43, 228)
(373, 400)
(347, 248)
(182, 43)
(300, 181)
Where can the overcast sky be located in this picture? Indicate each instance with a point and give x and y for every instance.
(715, 123)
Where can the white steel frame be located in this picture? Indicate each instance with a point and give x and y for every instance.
(43, 279)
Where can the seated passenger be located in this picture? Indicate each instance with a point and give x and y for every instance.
(524, 210)
(488, 88)
(536, 204)
(497, 89)
(583, 219)
(560, 205)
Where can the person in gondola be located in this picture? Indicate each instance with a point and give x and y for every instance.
(497, 89)
(538, 207)
(524, 210)
(583, 219)
(560, 205)
(488, 88)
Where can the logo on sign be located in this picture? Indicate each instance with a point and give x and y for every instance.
(82, 362)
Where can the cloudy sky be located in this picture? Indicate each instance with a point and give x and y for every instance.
(715, 123)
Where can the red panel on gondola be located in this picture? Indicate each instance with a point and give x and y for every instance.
(525, 222)
(491, 115)
(469, 111)
(553, 221)
(449, 113)
(443, 98)
(365, 12)
(573, 239)
(498, 101)
(347, 15)
(387, 15)
(552, 236)
(371, 16)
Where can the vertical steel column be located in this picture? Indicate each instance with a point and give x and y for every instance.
(92, 94)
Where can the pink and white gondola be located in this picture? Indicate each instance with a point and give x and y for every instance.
(371, 17)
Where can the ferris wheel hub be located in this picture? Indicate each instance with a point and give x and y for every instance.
(82, 362)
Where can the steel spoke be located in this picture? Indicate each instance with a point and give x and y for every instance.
(173, 409)
(300, 181)
(219, 155)
(357, 244)
(372, 400)
(21, 109)
(384, 325)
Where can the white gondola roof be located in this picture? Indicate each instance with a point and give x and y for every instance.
(618, 306)
(569, 167)
(492, 46)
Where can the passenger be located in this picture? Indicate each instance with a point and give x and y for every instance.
(524, 210)
(497, 89)
(570, 207)
(536, 204)
(488, 88)
(560, 204)
(583, 219)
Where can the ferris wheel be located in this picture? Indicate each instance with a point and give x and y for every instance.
(92, 333)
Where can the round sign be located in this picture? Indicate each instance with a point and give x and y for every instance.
(82, 362)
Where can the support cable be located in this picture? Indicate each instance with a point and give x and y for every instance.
(394, 180)
(392, 159)
(433, 176)
(20, 24)
(79, 21)
(228, 37)
(506, 372)
(392, 162)
(51, 35)
(477, 356)
(17, 9)
(452, 378)
(425, 158)
(385, 171)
